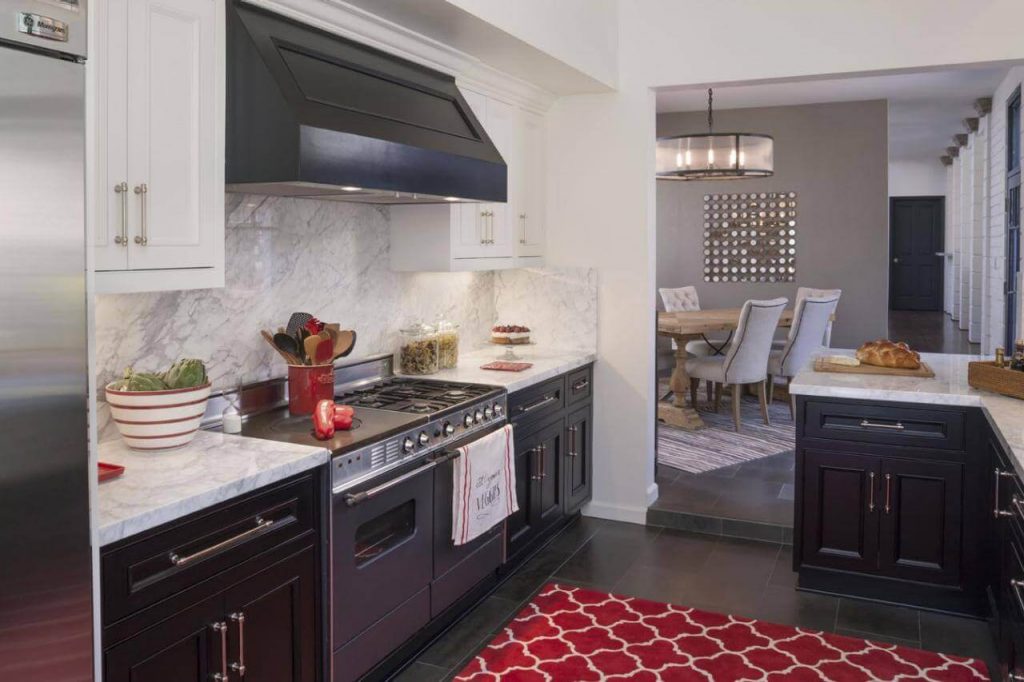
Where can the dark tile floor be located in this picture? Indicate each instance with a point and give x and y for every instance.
(720, 574)
(929, 332)
(752, 500)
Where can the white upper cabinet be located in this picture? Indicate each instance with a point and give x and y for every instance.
(159, 145)
(482, 236)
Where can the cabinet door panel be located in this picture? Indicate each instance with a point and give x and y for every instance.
(578, 459)
(520, 525)
(840, 510)
(184, 648)
(172, 134)
(110, 163)
(501, 127)
(278, 638)
(550, 470)
(530, 217)
(920, 525)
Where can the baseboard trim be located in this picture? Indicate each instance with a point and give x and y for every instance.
(614, 512)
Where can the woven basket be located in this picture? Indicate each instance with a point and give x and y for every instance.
(990, 377)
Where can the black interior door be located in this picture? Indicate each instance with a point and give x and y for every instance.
(917, 234)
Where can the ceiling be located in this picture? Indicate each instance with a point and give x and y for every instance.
(925, 108)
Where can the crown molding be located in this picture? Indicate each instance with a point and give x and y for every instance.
(971, 124)
(983, 105)
(946, 160)
(953, 152)
(342, 19)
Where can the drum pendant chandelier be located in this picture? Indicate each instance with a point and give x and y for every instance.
(714, 156)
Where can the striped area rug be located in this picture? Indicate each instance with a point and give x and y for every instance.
(718, 445)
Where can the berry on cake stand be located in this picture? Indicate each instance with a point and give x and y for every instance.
(510, 336)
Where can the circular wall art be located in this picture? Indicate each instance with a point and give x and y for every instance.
(750, 237)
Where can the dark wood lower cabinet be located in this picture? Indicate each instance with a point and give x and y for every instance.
(579, 464)
(260, 618)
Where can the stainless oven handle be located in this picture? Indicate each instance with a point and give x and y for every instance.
(352, 499)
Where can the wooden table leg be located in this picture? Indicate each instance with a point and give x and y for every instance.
(677, 413)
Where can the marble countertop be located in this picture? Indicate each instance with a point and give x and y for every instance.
(948, 387)
(547, 363)
(159, 487)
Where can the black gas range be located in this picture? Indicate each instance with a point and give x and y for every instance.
(398, 420)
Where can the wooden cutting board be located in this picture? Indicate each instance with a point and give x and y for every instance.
(923, 372)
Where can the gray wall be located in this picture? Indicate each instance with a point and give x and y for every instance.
(835, 156)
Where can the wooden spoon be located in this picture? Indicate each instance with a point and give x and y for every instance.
(344, 344)
(310, 344)
(323, 353)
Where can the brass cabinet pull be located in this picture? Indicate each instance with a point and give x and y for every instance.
(865, 424)
(871, 491)
(142, 239)
(888, 493)
(222, 629)
(996, 511)
(177, 560)
(122, 189)
(239, 665)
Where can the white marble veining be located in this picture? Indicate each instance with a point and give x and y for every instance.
(547, 363)
(948, 387)
(163, 486)
(559, 305)
(331, 259)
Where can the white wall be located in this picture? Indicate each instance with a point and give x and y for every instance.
(601, 162)
(917, 178)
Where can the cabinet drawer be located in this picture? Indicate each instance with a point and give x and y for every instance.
(170, 559)
(578, 385)
(884, 424)
(537, 402)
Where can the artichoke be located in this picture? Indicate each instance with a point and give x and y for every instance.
(185, 373)
(142, 381)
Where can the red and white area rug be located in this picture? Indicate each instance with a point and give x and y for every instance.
(570, 634)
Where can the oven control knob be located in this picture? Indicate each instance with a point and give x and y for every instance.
(448, 429)
(488, 412)
(498, 409)
(408, 444)
(478, 416)
(468, 421)
(424, 438)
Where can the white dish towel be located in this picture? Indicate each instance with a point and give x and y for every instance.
(484, 490)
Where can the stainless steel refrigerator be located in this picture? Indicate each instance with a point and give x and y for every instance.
(45, 559)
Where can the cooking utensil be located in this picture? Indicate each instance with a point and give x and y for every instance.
(309, 345)
(324, 351)
(296, 322)
(286, 343)
(285, 355)
(344, 344)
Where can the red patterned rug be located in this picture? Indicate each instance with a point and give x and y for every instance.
(570, 634)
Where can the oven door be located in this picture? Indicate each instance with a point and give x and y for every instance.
(381, 547)
(458, 568)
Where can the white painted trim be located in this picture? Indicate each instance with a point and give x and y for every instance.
(652, 494)
(138, 281)
(614, 512)
(340, 18)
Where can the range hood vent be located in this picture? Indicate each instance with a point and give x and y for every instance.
(311, 114)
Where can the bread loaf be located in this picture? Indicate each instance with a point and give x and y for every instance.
(884, 353)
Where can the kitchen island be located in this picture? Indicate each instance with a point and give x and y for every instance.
(908, 491)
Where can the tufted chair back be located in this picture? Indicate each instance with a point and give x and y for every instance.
(682, 299)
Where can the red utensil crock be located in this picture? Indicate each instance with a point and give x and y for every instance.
(307, 385)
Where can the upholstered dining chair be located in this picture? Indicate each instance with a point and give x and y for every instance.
(746, 360)
(685, 299)
(805, 292)
(807, 335)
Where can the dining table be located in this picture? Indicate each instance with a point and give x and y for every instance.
(687, 326)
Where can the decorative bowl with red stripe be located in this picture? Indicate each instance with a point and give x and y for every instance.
(158, 420)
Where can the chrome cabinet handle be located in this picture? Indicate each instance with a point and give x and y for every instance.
(580, 385)
(222, 629)
(572, 441)
(543, 461)
(261, 524)
(239, 665)
(352, 499)
(1018, 504)
(535, 476)
(888, 493)
(865, 424)
(523, 409)
(483, 227)
(871, 491)
(1015, 677)
(1015, 586)
(142, 239)
(490, 227)
(522, 224)
(997, 474)
(122, 189)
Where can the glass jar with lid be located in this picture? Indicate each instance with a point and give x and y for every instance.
(418, 351)
(447, 344)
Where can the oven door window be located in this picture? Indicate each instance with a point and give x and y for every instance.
(384, 532)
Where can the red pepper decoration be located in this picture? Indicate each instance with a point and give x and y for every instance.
(323, 419)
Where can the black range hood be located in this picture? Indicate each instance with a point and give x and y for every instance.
(311, 114)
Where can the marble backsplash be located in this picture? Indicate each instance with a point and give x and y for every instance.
(329, 259)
